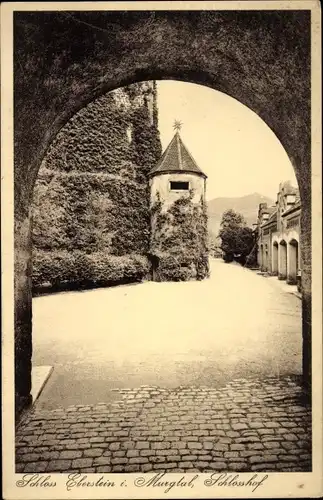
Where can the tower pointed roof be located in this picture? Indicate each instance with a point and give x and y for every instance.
(176, 158)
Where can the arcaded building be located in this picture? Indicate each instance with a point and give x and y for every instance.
(279, 235)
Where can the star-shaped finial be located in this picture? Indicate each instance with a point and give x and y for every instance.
(177, 125)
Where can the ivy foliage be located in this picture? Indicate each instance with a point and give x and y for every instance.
(91, 195)
(180, 239)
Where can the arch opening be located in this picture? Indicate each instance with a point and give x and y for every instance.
(282, 267)
(293, 262)
(102, 69)
(275, 258)
(66, 156)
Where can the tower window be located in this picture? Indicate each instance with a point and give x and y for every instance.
(179, 186)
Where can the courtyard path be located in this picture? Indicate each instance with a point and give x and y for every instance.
(235, 324)
(169, 377)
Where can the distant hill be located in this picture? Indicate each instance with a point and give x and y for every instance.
(246, 205)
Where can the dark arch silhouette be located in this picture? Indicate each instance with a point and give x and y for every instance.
(64, 60)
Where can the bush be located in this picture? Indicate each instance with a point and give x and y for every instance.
(202, 267)
(175, 268)
(77, 270)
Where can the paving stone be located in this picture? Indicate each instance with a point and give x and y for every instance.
(59, 465)
(194, 446)
(115, 446)
(104, 469)
(96, 439)
(288, 458)
(265, 431)
(263, 458)
(128, 445)
(139, 460)
(264, 467)
(69, 454)
(256, 425)
(233, 434)
(185, 465)
(189, 458)
(224, 440)
(221, 447)
(20, 467)
(82, 463)
(290, 437)
(119, 461)
(29, 457)
(132, 453)
(93, 452)
(255, 446)
(207, 445)
(149, 453)
(36, 466)
(272, 444)
(141, 445)
(238, 466)
(161, 445)
(237, 447)
(166, 466)
(239, 426)
(146, 467)
(272, 425)
(179, 445)
(201, 464)
(231, 454)
(218, 465)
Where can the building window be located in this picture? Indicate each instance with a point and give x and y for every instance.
(179, 186)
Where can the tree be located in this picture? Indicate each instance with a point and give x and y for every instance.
(237, 239)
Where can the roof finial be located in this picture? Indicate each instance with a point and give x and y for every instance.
(177, 125)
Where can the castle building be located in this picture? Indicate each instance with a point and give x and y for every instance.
(279, 235)
(179, 223)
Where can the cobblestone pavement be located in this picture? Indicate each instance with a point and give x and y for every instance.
(246, 425)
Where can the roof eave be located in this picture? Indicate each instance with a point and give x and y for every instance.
(169, 171)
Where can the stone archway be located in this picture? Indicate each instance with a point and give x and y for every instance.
(282, 260)
(275, 258)
(292, 261)
(64, 60)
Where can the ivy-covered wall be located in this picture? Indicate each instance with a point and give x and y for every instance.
(91, 221)
(179, 240)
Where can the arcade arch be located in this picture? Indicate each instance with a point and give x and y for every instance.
(282, 260)
(292, 261)
(275, 258)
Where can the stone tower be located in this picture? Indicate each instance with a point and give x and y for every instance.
(176, 175)
(178, 215)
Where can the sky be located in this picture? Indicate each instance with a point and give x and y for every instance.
(231, 144)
